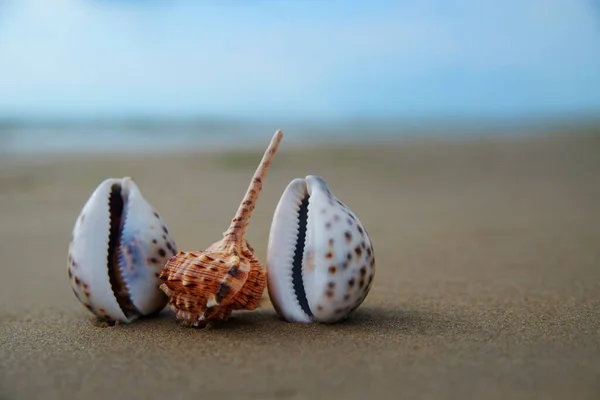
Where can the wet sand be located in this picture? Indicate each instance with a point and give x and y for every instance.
(487, 282)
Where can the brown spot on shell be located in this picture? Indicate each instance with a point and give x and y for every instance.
(162, 252)
(77, 281)
(348, 236)
(363, 270)
(351, 282)
(329, 255)
(234, 271)
(189, 284)
(331, 285)
(358, 251)
(329, 293)
(209, 311)
(222, 292)
(332, 269)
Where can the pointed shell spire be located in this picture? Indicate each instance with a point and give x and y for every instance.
(208, 285)
(240, 222)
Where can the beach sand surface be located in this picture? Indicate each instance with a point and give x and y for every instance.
(487, 283)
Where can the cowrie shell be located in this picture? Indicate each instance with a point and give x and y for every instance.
(119, 246)
(320, 259)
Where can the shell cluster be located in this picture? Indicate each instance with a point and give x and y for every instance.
(118, 248)
(124, 264)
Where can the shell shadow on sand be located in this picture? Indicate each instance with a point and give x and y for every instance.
(367, 320)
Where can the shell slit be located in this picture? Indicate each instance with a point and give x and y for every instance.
(297, 281)
(116, 208)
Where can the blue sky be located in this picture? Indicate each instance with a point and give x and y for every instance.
(299, 58)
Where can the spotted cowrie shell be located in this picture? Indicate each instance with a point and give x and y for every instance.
(320, 259)
(118, 248)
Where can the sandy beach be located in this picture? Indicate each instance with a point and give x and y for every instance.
(487, 282)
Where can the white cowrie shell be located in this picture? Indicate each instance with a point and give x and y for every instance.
(119, 246)
(320, 260)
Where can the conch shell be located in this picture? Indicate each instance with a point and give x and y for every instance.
(119, 246)
(320, 260)
(205, 286)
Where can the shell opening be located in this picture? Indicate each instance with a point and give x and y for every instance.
(116, 209)
(298, 255)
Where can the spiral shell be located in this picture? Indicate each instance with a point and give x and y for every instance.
(117, 251)
(320, 260)
(206, 286)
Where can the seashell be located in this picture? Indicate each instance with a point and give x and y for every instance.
(320, 260)
(206, 286)
(117, 251)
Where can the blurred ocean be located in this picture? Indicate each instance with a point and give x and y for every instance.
(34, 138)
